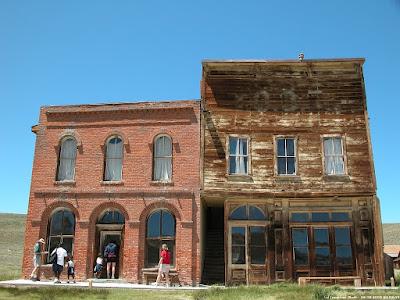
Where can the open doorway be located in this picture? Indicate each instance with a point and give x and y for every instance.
(110, 228)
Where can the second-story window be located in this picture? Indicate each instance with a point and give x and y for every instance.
(66, 161)
(162, 168)
(238, 156)
(286, 156)
(113, 161)
(333, 156)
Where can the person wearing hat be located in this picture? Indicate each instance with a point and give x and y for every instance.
(37, 259)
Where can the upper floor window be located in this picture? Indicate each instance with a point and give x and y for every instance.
(113, 161)
(286, 156)
(61, 231)
(162, 161)
(238, 156)
(66, 160)
(333, 155)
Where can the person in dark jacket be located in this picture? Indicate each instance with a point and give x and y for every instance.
(111, 257)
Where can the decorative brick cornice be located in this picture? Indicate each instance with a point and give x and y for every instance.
(120, 192)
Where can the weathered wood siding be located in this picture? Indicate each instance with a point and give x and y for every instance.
(302, 100)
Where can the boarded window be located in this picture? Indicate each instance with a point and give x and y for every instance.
(286, 156)
(66, 160)
(238, 156)
(333, 154)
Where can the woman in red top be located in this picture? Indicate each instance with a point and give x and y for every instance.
(163, 270)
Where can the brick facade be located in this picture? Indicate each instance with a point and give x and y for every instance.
(135, 196)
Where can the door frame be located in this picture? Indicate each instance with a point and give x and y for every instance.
(247, 266)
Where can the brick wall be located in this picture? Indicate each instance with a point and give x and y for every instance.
(136, 196)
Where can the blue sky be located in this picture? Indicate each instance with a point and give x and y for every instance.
(70, 52)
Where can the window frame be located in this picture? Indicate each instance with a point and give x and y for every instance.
(160, 238)
(60, 146)
(60, 236)
(154, 158)
(295, 145)
(105, 158)
(344, 151)
(228, 155)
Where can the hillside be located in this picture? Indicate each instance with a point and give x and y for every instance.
(12, 228)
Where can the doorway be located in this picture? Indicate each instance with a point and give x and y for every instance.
(106, 237)
(110, 228)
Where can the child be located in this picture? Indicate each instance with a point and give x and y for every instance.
(71, 268)
(99, 266)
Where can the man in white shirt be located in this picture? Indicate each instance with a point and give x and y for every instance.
(58, 264)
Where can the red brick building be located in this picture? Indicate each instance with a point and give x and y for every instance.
(122, 172)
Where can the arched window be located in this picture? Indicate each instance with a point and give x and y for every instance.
(162, 168)
(61, 230)
(113, 160)
(66, 160)
(111, 217)
(247, 212)
(160, 229)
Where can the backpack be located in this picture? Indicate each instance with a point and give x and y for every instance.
(53, 257)
(110, 250)
(36, 248)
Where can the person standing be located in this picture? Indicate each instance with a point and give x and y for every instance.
(37, 259)
(111, 256)
(70, 268)
(58, 263)
(164, 264)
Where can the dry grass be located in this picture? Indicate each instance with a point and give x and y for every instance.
(391, 233)
(12, 228)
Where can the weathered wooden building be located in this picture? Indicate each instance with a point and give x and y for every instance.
(288, 183)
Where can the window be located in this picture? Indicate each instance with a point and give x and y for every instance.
(66, 160)
(286, 156)
(112, 217)
(258, 245)
(333, 155)
(343, 246)
(61, 230)
(113, 162)
(251, 241)
(160, 230)
(238, 156)
(238, 245)
(299, 217)
(247, 212)
(162, 169)
(300, 246)
(320, 217)
(321, 243)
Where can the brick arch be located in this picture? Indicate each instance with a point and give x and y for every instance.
(107, 205)
(160, 205)
(122, 135)
(70, 133)
(59, 204)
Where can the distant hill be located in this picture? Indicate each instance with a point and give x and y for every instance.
(391, 233)
(12, 227)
